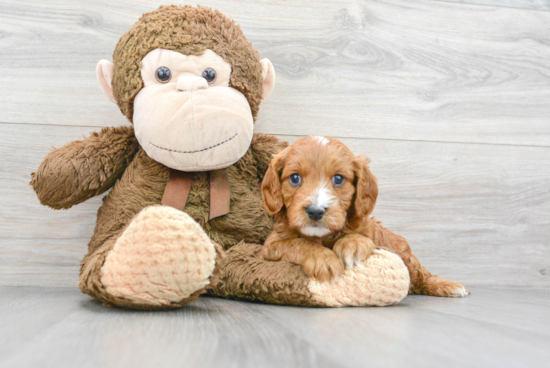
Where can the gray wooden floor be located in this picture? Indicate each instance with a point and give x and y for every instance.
(59, 327)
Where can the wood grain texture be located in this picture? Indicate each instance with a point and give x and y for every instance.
(44, 262)
(523, 4)
(476, 213)
(59, 327)
(22, 149)
(399, 80)
(450, 101)
(436, 332)
(396, 69)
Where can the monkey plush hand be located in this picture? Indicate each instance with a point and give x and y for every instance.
(185, 213)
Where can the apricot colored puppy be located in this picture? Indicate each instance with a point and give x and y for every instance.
(321, 195)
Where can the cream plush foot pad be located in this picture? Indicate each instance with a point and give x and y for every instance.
(162, 257)
(381, 280)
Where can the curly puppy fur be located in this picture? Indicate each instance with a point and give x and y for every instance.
(314, 216)
(341, 231)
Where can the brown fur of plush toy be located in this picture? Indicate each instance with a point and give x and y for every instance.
(141, 185)
(189, 30)
(86, 169)
(145, 256)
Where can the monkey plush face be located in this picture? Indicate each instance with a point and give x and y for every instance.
(193, 100)
(186, 116)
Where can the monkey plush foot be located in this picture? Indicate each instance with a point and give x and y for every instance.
(382, 279)
(162, 259)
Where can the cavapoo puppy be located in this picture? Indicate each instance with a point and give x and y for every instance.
(321, 195)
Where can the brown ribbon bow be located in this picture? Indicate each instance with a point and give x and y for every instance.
(179, 184)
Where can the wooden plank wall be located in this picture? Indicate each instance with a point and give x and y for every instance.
(523, 4)
(450, 100)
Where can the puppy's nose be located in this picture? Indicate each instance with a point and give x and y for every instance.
(315, 213)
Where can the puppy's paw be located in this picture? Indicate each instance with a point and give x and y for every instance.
(436, 286)
(323, 265)
(353, 249)
(461, 292)
(271, 252)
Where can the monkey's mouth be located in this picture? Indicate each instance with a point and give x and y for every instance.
(196, 151)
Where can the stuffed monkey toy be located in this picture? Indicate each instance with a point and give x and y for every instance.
(185, 213)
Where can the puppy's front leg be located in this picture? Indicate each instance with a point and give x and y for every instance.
(353, 249)
(318, 262)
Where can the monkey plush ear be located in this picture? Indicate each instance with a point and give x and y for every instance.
(104, 72)
(268, 73)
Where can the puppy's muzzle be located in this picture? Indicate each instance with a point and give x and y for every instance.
(315, 213)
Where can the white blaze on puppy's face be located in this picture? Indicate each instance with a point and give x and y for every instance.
(186, 116)
(315, 205)
(322, 197)
(321, 140)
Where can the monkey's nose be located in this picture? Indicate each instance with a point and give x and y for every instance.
(191, 83)
(315, 213)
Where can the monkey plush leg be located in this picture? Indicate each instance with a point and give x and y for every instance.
(381, 280)
(162, 260)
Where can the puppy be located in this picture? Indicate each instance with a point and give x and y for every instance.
(321, 195)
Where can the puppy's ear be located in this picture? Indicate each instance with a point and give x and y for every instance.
(271, 185)
(366, 188)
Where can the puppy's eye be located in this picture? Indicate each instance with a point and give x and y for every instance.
(295, 179)
(163, 74)
(338, 180)
(209, 74)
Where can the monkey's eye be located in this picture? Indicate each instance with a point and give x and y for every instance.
(295, 179)
(163, 74)
(209, 74)
(338, 180)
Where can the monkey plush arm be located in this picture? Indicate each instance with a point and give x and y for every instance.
(82, 169)
(264, 147)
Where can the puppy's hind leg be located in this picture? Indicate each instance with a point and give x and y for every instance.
(423, 282)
